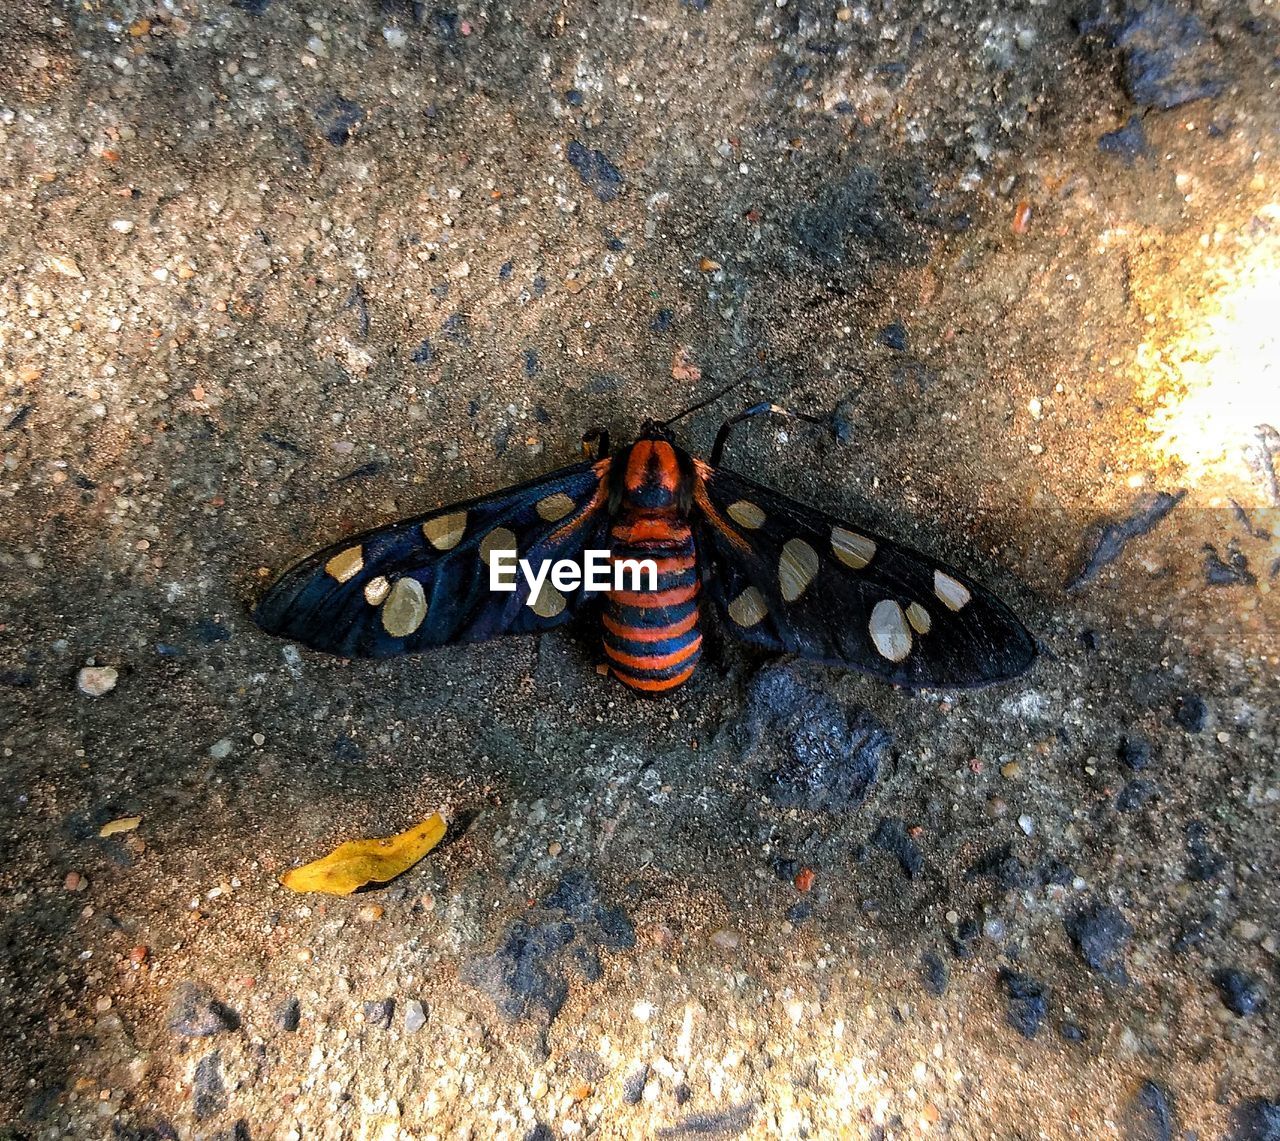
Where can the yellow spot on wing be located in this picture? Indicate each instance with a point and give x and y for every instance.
(359, 862)
(748, 608)
(405, 608)
(555, 507)
(345, 565)
(796, 567)
(445, 532)
(852, 549)
(919, 618)
(376, 589)
(746, 514)
(499, 539)
(549, 601)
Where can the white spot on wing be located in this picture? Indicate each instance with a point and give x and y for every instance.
(796, 568)
(953, 594)
(376, 590)
(889, 631)
(549, 601)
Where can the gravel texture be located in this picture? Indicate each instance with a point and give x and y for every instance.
(272, 272)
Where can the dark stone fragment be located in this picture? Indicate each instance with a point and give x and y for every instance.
(1112, 537)
(1055, 872)
(339, 119)
(1028, 1002)
(18, 418)
(1129, 142)
(934, 973)
(727, 1123)
(965, 938)
(1149, 1115)
(895, 336)
(501, 439)
(797, 913)
(440, 291)
(208, 1092)
(1241, 992)
(364, 471)
(505, 270)
(784, 868)
(1191, 934)
(1203, 862)
(588, 964)
(1100, 934)
(573, 97)
(285, 445)
(1003, 866)
(661, 321)
(209, 631)
(578, 898)
(253, 7)
(1072, 1032)
(539, 285)
(522, 976)
(1135, 753)
(696, 5)
(1256, 1119)
(532, 366)
(456, 329)
(379, 1012)
(1136, 794)
(540, 1132)
(600, 384)
(857, 212)
(195, 1013)
(238, 1132)
(615, 244)
(541, 415)
(829, 758)
(1233, 572)
(598, 174)
(444, 24)
(891, 836)
(844, 422)
(424, 353)
(289, 1015)
(346, 749)
(1167, 56)
(633, 1084)
(357, 302)
(1191, 712)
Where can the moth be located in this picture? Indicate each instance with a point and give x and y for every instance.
(780, 575)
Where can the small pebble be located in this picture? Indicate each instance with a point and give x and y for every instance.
(1010, 770)
(75, 881)
(415, 1016)
(725, 940)
(370, 913)
(220, 750)
(97, 681)
(1027, 824)
(122, 226)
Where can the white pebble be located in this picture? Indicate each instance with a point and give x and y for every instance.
(395, 37)
(415, 1017)
(221, 749)
(122, 226)
(1027, 824)
(97, 681)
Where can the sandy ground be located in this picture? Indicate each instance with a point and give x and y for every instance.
(271, 272)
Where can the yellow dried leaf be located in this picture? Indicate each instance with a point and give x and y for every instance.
(124, 824)
(359, 862)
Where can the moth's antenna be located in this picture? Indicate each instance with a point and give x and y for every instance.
(703, 403)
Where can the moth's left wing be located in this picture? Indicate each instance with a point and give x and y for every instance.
(787, 577)
(425, 581)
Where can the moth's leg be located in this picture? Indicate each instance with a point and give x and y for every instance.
(600, 438)
(764, 408)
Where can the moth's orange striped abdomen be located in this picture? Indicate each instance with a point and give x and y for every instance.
(651, 637)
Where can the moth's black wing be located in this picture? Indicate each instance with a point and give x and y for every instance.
(424, 581)
(790, 578)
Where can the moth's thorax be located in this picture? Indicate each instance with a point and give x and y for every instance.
(652, 475)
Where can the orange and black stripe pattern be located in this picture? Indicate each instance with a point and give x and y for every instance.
(651, 636)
